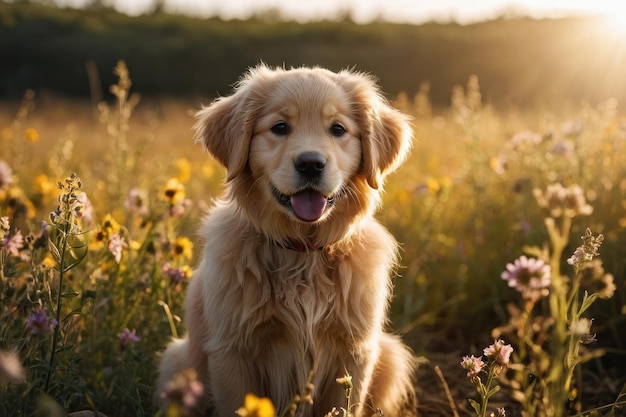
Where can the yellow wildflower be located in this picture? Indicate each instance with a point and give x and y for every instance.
(174, 191)
(257, 407)
(31, 135)
(134, 245)
(433, 185)
(49, 261)
(183, 247)
(44, 189)
(43, 185)
(107, 228)
(97, 242)
(109, 225)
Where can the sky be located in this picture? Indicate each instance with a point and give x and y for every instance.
(363, 11)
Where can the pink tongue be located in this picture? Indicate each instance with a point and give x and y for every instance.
(308, 205)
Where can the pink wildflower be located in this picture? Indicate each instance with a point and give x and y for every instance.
(499, 352)
(180, 207)
(6, 176)
(563, 202)
(116, 245)
(525, 139)
(473, 366)
(185, 390)
(83, 209)
(572, 128)
(529, 276)
(137, 202)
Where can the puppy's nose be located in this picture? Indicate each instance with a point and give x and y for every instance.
(310, 164)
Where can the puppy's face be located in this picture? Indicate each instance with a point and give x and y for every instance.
(305, 146)
(305, 143)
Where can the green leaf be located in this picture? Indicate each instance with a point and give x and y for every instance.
(65, 348)
(74, 312)
(588, 300)
(70, 265)
(70, 294)
(54, 251)
(535, 251)
(475, 406)
(493, 390)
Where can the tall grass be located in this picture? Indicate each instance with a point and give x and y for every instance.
(92, 272)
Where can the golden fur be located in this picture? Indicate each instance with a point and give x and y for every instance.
(262, 316)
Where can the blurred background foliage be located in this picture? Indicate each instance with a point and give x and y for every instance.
(520, 61)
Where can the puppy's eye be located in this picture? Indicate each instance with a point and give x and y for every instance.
(280, 129)
(337, 130)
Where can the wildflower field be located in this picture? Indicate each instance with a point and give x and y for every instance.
(512, 224)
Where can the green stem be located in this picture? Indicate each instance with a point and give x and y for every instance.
(65, 232)
(524, 329)
(487, 389)
(558, 300)
(2, 262)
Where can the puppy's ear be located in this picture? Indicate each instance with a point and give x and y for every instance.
(387, 144)
(386, 134)
(225, 130)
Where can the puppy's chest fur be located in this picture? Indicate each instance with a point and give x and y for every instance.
(294, 296)
(258, 294)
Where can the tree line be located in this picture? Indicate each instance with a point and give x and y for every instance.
(519, 61)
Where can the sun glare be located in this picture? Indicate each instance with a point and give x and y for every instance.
(616, 23)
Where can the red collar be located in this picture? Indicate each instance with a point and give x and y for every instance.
(299, 245)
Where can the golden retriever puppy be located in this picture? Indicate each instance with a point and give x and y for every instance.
(294, 280)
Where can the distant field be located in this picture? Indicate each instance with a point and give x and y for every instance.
(520, 61)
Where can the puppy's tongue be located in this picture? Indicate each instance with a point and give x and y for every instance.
(308, 205)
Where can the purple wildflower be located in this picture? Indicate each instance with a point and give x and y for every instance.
(13, 244)
(578, 256)
(40, 323)
(127, 337)
(175, 275)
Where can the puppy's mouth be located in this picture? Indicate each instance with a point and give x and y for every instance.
(308, 205)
